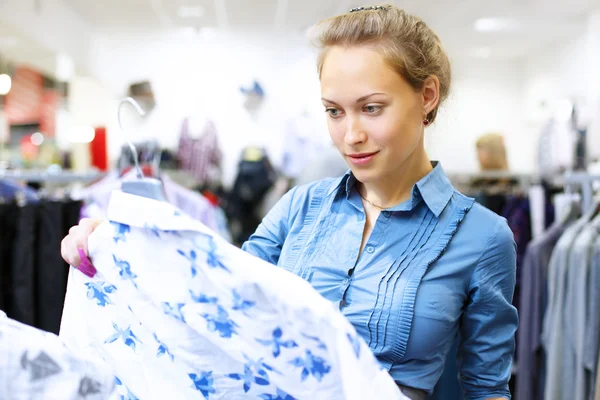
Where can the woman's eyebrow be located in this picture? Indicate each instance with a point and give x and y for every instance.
(359, 100)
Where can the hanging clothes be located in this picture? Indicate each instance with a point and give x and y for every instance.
(530, 353)
(554, 319)
(199, 151)
(33, 275)
(217, 322)
(35, 365)
(592, 339)
(255, 177)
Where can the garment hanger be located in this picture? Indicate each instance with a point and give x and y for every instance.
(139, 186)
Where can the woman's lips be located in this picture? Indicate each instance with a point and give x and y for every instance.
(362, 158)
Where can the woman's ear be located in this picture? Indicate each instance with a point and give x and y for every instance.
(430, 94)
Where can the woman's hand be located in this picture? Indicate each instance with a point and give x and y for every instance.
(74, 247)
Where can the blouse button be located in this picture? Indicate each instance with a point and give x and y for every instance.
(370, 249)
(386, 214)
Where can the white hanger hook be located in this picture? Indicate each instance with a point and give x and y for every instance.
(141, 113)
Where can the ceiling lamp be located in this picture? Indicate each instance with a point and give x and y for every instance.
(5, 84)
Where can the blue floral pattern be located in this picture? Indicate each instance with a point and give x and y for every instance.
(315, 339)
(99, 291)
(125, 270)
(204, 383)
(276, 343)
(128, 395)
(126, 335)
(221, 323)
(280, 395)
(229, 343)
(202, 298)
(174, 310)
(163, 349)
(311, 365)
(191, 257)
(120, 231)
(240, 304)
(213, 260)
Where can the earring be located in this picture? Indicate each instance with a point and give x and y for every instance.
(425, 122)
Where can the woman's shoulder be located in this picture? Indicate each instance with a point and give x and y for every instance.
(485, 225)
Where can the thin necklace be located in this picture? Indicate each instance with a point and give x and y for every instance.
(369, 201)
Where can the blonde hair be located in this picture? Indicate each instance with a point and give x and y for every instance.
(407, 44)
(493, 144)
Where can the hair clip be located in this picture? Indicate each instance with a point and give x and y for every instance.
(368, 8)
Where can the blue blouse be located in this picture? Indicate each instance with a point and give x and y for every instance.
(434, 266)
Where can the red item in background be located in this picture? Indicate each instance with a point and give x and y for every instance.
(147, 170)
(24, 101)
(49, 105)
(99, 150)
(211, 197)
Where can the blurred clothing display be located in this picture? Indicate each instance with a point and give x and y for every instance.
(217, 323)
(37, 365)
(96, 198)
(254, 179)
(199, 151)
(556, 147)
(33, 275)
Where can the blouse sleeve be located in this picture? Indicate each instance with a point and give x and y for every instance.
(490, 321)
(267, 241)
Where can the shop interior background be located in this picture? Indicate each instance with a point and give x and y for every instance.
(514, 62)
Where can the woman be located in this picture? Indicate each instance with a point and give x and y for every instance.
(410, 261)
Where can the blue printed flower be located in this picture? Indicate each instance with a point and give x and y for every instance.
(163, 349)
(213, 260)
(192, 259)
(280, 395)
(249, 378)
(125, 270)
(100, 291)
(355, 342)
(311, 365)
(174, 310)
(276, 343)
(221, 323)
(153, 228)
(126, 334)
(321, 345)
(129, 395)
(240, 304)
(204, 383)
(201, 298)
(120, 231)
(260, 366)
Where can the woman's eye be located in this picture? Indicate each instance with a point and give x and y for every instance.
(333, 112)
(372, 109)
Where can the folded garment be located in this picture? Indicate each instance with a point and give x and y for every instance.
(179, 313)
(36, 365)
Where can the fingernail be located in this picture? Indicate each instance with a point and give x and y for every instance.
(86, 265)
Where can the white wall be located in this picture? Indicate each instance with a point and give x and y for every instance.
(485, 97)
(191, 75)
(196, 76)
(568, 69)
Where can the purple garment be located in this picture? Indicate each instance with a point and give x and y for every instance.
(198, 155)
(191, 203)
(531, 314)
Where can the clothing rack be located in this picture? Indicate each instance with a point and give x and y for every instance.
(585, 181)
(63, 177)
(525, 179)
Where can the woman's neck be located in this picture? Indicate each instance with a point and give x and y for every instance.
(396, 187)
